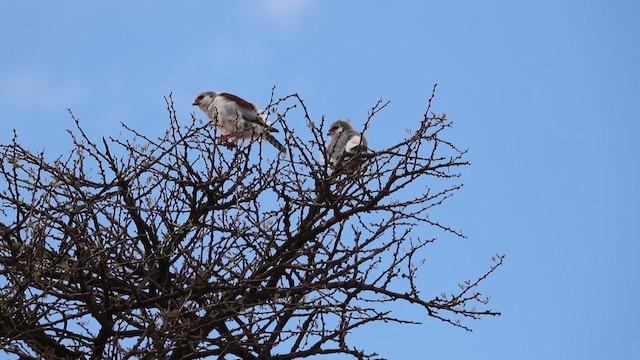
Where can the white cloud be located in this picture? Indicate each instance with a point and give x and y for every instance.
(39, 89)
(286, 13)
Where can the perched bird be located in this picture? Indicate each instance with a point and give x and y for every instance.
(348, 147)
(236, 118)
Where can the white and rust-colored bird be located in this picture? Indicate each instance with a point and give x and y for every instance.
(348, 147)
(236, 118)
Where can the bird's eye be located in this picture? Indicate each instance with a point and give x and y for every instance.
(200, 97)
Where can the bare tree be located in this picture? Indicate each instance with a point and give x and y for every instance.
(137, 247)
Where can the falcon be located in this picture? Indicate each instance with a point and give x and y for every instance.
(236, 118)
(347, 149)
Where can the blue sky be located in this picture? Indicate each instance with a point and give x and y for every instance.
(544, 94)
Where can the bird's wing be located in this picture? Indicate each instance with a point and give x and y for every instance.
(242, 103)
(336, 147)
(352, 143)
(247, 110)
(356, 141)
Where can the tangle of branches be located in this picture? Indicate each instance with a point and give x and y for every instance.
(175, 247)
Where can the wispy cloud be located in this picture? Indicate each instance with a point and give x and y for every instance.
(286, 13)
(40, 89)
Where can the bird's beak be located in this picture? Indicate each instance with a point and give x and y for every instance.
(196, 103)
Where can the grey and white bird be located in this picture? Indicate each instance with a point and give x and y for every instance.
(236, 118)
(348, 147)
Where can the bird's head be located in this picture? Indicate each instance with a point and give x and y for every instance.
(338, 127)
(205, 98)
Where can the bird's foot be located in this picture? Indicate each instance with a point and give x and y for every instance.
(226, 136)
(226, 142)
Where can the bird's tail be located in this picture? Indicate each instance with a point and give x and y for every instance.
(273, 141)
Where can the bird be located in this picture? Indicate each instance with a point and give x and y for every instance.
(236, 118)
(348, 147)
